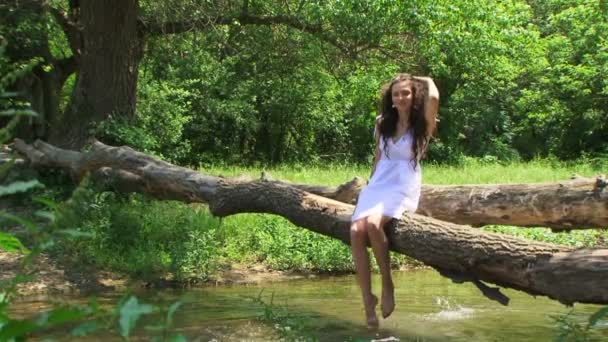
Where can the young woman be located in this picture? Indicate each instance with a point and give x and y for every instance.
(403, 129)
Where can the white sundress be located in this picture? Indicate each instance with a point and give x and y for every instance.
(395, 185)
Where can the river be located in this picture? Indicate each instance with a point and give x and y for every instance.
(428, 308)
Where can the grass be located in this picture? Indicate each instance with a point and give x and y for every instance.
(472, 171)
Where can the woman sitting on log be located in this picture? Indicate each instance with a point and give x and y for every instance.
(403, 129)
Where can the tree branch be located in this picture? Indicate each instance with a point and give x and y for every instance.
(162, 28)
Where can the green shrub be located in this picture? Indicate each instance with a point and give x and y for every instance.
(157, 128)
(142, 237)
(280, 245)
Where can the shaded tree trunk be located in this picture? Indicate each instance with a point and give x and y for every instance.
(459, 252)
(40, 88)
(106, 84)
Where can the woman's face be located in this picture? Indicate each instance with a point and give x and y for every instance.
(403, 96)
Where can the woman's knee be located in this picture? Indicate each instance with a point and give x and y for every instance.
(373, 225)
(376, 224)
(358, 228)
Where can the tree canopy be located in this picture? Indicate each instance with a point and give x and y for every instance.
(256, 81)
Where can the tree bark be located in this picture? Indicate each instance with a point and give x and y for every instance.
(565, 205)
(459, 252)
(106, 84)
(579, 203)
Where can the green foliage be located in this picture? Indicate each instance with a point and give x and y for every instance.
(158, 124)
(575, 238)
(43, 237)
(518, 79)
(10, 106)
(569, 328)
(10, 243)
(19, 186)
(130, 312)
(287, 325)
(282, 246)
(566, 101)
(144, 238)
(90, 316)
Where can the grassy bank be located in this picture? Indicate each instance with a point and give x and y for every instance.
(145, 238)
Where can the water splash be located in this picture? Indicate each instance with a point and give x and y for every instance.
(449, 311)
(386, 339)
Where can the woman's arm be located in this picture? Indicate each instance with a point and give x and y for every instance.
(431, 103)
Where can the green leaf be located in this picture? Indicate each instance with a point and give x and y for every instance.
(177, 338)
(59, 316)
(8, 95)
(171, 312)
(46, 215)
(17, 328)
(130, 313)
(155, 328)
(85, 328)
(10, 243)
(19, 186)
(26, 223)
(18, 112)
(6, 167)
(49, 203)
(597, 316)
(75, 233)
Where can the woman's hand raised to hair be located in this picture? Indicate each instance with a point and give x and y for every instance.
(431, 103)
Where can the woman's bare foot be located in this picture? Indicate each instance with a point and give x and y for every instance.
(388, 301)
(370, 310)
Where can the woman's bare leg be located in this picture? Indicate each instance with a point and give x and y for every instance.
(358, 243)
(379, 242)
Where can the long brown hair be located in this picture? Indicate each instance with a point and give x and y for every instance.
(417, 119)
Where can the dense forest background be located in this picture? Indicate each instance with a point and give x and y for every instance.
(234, 87)
(267, 82)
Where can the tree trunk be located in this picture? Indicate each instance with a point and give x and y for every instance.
(565, 205)
(459, 252)
(39, 88)
(579, 203)
(106, 83)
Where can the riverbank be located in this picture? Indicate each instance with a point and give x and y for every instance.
(49, 277)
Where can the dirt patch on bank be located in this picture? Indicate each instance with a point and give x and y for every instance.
(51, 278)
(255, 274)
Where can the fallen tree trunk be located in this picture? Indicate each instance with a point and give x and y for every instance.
(456, 251)
(565, 205)
(579, 203)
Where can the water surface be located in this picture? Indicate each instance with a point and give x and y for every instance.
(429, 308)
